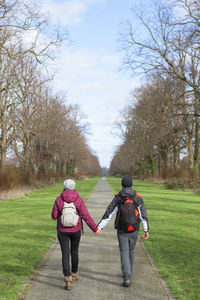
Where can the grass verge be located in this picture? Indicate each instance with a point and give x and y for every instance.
(174, 235)
(26, 233)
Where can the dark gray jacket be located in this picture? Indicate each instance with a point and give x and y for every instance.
(113, 208)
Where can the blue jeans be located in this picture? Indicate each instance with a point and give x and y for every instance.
(127, 243)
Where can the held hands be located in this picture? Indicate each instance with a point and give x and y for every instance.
(145, 235)
(98, 231)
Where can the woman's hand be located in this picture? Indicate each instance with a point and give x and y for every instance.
(98, 231)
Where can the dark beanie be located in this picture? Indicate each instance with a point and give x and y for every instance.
(127, 181)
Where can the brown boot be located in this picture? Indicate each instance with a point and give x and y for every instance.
(75, 276)
(68, 281)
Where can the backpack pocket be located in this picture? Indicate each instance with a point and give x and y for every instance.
(69, 217)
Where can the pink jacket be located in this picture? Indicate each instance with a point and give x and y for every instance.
(72, 196)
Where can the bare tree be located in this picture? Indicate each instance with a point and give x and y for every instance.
(170, 45)
(44, 132)
(153, 130)
(26, 87)
(28, 29)
(24, 34)
(7, 106)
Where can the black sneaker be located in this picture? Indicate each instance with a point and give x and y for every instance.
(126, 283)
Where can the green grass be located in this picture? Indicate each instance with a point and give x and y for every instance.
(174, 240)
(26, 233)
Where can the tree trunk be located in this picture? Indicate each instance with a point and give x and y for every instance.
(176, 153)
(196, 135)
(3, 145)
(152, 163)
(158, 166)
(190, 152)
(35, 169)
(196, 147)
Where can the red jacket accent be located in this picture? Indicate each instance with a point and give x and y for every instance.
(138, 196)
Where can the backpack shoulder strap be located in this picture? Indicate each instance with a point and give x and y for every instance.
(79, 213)
(120, 200)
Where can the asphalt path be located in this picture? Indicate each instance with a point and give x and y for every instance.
(99, 265)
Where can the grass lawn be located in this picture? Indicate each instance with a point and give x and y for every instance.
(26, 233)
(174, 240)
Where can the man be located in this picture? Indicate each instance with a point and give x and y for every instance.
(126, 237)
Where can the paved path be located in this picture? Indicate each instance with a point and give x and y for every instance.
(99, 267)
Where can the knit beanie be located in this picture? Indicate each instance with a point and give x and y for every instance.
(69, 184)
(126, 181)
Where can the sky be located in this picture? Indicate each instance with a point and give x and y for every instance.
(88, 70)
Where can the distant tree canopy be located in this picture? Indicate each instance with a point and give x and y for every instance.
(39, 133)
(162, 123)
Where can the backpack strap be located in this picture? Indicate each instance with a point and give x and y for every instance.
(81, 221)
(79, 213)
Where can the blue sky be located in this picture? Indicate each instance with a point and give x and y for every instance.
(88, 70)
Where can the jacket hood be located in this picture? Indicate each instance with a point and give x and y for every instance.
(69, 196)
(127, 191)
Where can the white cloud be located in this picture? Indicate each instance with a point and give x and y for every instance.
(86, 69)
(91, 80)
(68, 12)
(112, 60)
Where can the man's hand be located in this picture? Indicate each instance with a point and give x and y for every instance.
(145, 235)
(98, 231)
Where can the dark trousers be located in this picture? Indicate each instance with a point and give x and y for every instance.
(69, 243)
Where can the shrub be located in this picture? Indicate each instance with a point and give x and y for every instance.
(10, 177)
(171, 172)
(183, 184)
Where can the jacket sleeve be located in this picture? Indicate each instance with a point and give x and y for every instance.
(109, 213)
(86, 216)
(143, 214)
(55, 211)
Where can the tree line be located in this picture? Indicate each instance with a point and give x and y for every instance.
(39, 133)
(160, 128)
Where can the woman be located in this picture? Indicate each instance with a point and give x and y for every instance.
(69, 237)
